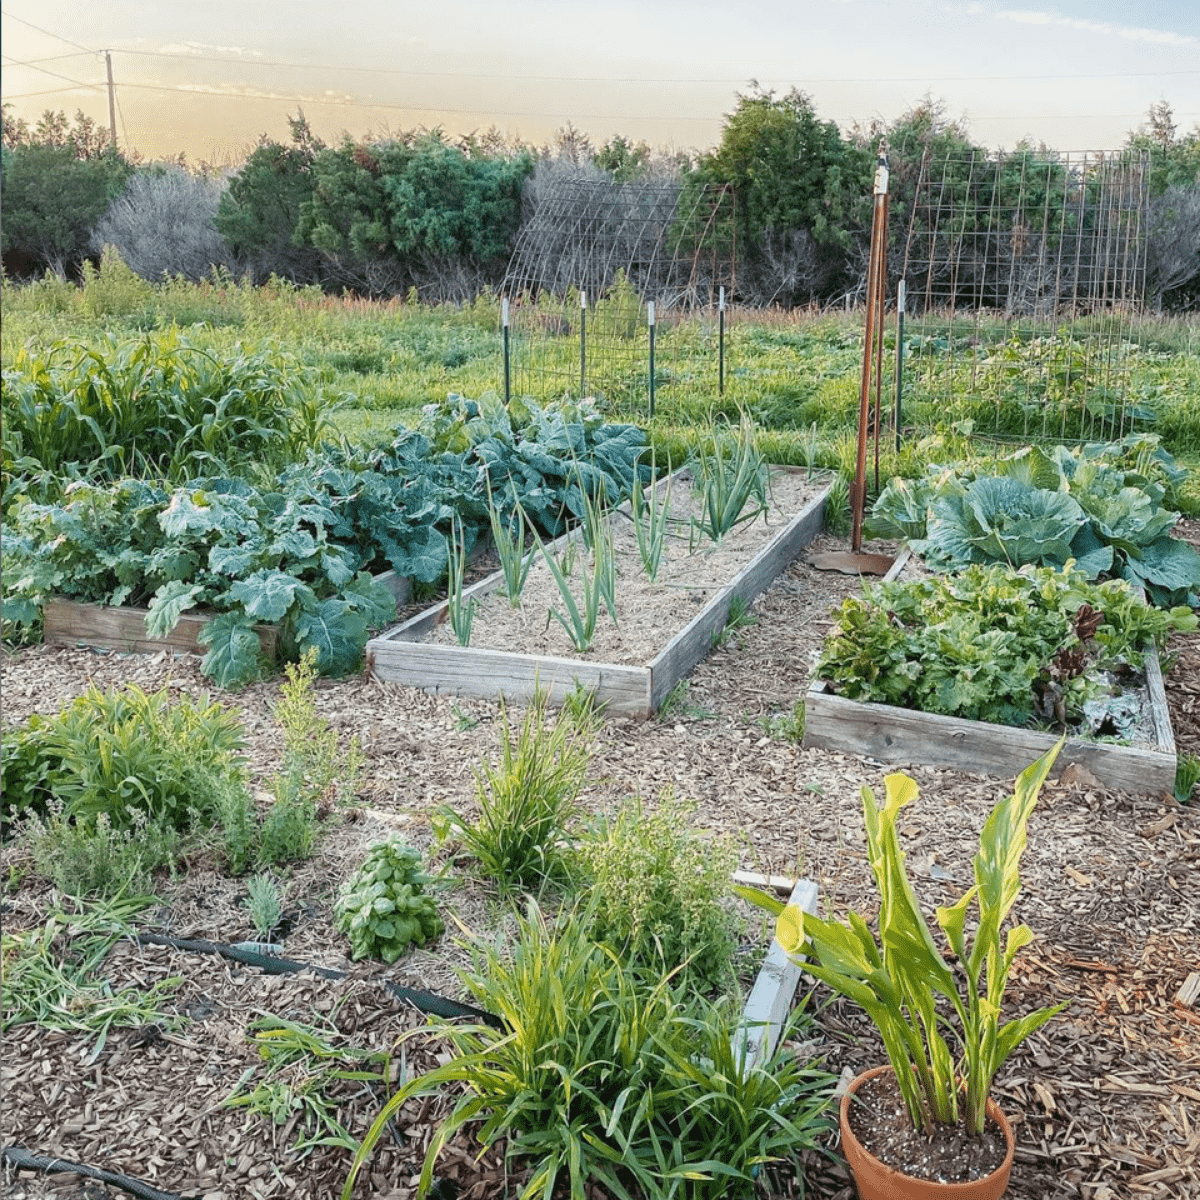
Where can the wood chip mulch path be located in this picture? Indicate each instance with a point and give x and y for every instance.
(1106, 1098)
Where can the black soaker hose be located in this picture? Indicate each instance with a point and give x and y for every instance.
(23, 1160)
(426, 1002)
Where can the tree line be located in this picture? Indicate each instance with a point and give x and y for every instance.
(419, 210)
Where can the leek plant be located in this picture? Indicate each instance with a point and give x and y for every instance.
(461, 613)
(510, 546)
(732, 478)
(650, 512)
(599, 582)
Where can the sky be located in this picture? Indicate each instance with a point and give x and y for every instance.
(209, 79)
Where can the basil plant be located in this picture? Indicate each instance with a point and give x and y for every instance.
(944, 1056)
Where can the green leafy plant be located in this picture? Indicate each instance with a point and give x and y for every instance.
(527, 801)
(898, 979)
(661, 889)
(384, 909)
(601, 1075)
(991, 645)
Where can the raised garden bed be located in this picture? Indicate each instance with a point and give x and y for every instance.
(419, 652)
(69, 623)
(902, 736)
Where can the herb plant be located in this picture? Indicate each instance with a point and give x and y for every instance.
(660, 888)
(384, 909)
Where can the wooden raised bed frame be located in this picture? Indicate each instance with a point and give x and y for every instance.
(68, 623)
(400, 656)
(902, 735)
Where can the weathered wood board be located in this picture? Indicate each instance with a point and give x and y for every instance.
(68, 623)
(901, 735)
(400, 656)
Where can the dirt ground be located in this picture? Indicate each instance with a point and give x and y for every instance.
(1105, 1099)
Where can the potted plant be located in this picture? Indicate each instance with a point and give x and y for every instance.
(938, 1011)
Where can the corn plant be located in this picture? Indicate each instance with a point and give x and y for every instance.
(461, 613)
(732, 479)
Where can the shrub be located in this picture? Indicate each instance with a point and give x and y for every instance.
(163, 224)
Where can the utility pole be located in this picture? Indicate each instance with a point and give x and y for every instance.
(112, 100)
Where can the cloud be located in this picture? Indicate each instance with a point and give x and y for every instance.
(186, 48)
(206, 89)
(1130, 33)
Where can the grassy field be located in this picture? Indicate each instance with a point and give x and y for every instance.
(374, 365)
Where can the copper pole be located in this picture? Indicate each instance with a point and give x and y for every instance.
(875, 293)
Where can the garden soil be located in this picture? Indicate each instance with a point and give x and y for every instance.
(1104, 1099)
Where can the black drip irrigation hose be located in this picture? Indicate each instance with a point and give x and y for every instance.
(426, 1002)
(23, 1160)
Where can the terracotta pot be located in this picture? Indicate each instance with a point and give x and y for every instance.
(877, 1181)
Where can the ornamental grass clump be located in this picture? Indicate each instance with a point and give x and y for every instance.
(600, 1074)
(944, 1055)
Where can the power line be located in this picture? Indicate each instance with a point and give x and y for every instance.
(31, 62)
(53, 74)
(55, 36)
(48, 92)
(484, 112)
(325, 66)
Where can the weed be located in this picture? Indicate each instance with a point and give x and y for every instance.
(69, 993)
(678, 706)
(740, 617)
(1187, 777)
(787, 725)
(304, 1078)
